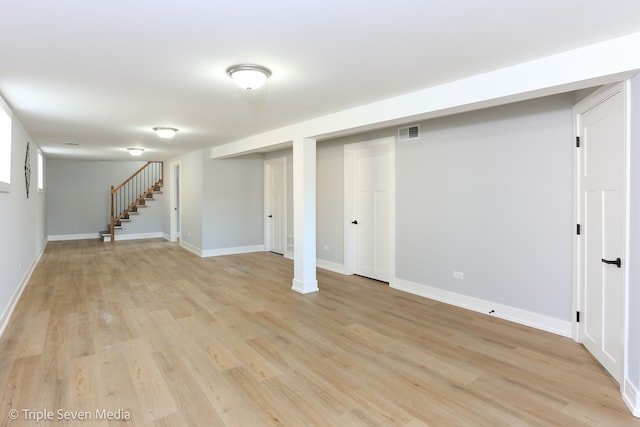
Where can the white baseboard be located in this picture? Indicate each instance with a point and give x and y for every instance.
(631, 397)
(232, 251)
(513, 314)
(62, 237)
(331, 266)
(191, 248)
(13, 302)
(136, 236)
(222, 251)
(166, 236)
(304, 287)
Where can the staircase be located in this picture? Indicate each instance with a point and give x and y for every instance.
(132, 195)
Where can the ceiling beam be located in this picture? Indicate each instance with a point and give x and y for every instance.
(593, 65)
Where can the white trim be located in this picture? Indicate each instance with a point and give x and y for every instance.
(290, 246)
(63, 237)
(166, 236)
(631, 398)
(13, 302)
(138, 236)
(232, 251)
(191, 248)
(513, 314)
(307, 287)
(329, 265)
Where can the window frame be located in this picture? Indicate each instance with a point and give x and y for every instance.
(40, 166)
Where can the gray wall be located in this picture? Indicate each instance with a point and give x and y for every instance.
(221, 201)
(192, 194)
(487, 193)
(490, 194)
(23, 231)
(232, 205)
(78, 200)
(330, 201)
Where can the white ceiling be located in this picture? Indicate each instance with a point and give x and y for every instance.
(102, 74)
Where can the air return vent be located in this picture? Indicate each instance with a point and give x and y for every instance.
(409, 133)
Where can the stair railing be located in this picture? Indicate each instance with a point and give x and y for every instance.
(133, 191)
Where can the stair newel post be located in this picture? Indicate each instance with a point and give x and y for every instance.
(112, 219)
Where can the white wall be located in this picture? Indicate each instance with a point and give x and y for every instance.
(23, 231)
(78, 202)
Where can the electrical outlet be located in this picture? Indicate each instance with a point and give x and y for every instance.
(458, 275)
(20, 265)
(326, 248)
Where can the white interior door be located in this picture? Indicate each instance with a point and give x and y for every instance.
(275, 205)
(175, 217)
(601, 166)
(369, 207)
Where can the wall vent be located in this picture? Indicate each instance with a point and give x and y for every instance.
(409, 133)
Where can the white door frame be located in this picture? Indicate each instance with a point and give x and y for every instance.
(349, 204)
(174, 226)
(268, 164)
(580, 108)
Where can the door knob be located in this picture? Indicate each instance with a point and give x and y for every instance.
(355, 221)
(270, 216)
(617, 262)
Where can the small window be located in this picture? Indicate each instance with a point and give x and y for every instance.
(40, 172)
(5, 147)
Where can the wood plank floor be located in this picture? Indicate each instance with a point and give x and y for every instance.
(151, 332)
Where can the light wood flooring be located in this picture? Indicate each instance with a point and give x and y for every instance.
(150, 330)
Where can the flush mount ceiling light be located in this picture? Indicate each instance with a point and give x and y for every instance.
(165, 132)
(135, 151)
(249, 76)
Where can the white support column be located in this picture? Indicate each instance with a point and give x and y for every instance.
(304, 216)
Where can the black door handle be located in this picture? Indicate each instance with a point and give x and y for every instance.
(270, 216)
(617, 262)
(355, 221)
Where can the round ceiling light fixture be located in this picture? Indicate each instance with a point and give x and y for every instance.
(135, 151)
(165, 132)
(249, 76)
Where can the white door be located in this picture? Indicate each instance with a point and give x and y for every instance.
(369, 207)
(601, 169)
(175, 218)
(275, 178)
